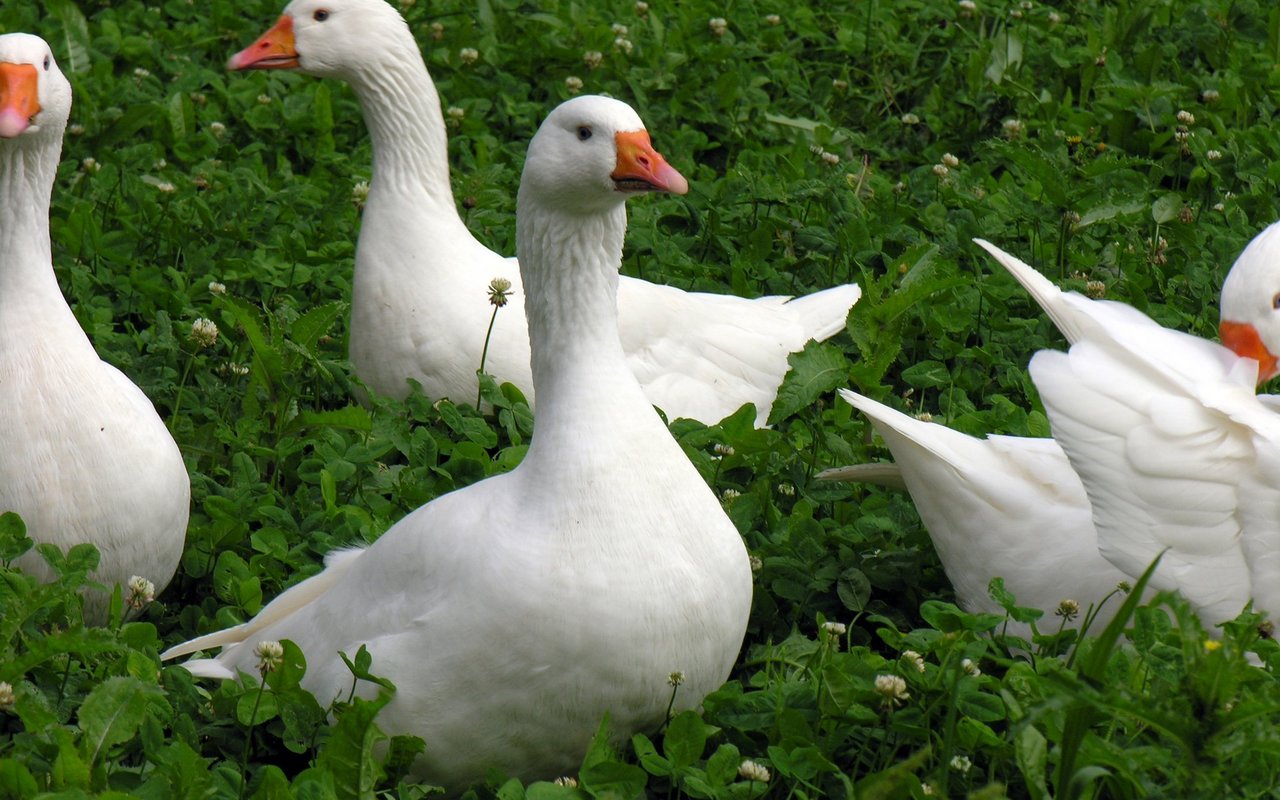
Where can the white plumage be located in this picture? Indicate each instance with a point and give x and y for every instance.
(1004, 506)
(419, 296)
(1173, 448)
(513, 614)
(85, 458)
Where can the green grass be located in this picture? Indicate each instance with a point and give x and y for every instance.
(1064, 123)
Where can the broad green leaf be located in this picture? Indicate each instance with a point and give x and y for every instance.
(349, 752)
(113, 711)
(75, 33)
(685, 739)
(814, 372)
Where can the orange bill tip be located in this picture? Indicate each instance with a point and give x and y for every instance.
(275, 49)
(1243, 339)
(19, 98)
(640, 168)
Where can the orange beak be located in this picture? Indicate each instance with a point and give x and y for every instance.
(19, 98)
(641, 169)
(1242, 338)
(275, 49)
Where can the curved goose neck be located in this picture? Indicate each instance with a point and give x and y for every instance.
(27, 169)
(402, 111)
(569, 266)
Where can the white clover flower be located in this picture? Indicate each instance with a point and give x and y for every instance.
(160, 164)
(970, 668)
(967, 8)
(787, 489)
(141, 593)
(1213, 155)
(217, 129)
(468, 55)
(592, 58)
(6, 696)
(642, 8)
(756, 563)
(455, 114)
(752, 771)
(90, 165)
(927, 789)
(1210, 95)
(204, 332)
(1067, 607)
(961, 764)
(721, 449)
(623, 45)
(270, 656)
(675, 679)
(718, 25)
(941, 170)
(1012, 127)
(75, 129)
(910, 119)
(1181, 134)
(217, 288)
(1219, 207)
(498, 292)
(924, 416)
(139, 72)
(839, 84)
(1096, 290)
(1054, 19)
(264, 99)
(830, 158)
(165, 187)
(773, 19)
(234, 368)
(1186, 117)
(567, 780)
(360, 193)
(729, 494)
(914, 659)
(437, 31)
(893, 688)
(619, 29)
(950, 160)
(834, 628)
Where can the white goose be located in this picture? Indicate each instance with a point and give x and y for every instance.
(419, 295)
(1004, 506)
(85, 457)
(1172, 445)
(514, 613)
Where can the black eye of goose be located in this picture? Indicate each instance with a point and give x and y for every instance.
(321, 15)
(1275, 301)
(584, 133)
(46, 63)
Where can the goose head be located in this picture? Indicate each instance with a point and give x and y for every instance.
(35, 97)
(1250, 307)
(592, 153)
(327, 38)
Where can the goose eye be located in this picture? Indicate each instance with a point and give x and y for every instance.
(320, 16)
(584, 133)
(46, 63)
(1275, 302)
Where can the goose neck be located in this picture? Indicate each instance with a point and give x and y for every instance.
(569, 266)
(26, 185)
(406, 127)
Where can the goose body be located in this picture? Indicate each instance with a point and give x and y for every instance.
(85, 457)
(1176, 452)
(419, 294)
(1004, 506)
(514, 613)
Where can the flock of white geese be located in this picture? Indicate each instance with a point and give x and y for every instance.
(603, 563)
